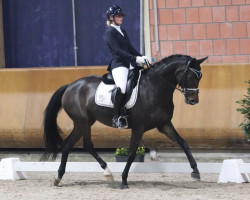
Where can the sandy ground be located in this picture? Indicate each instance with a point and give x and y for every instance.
(93, 186)
(81, 186)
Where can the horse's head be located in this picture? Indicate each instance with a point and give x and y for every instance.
(188, 77)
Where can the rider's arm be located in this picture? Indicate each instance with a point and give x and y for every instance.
(113, 43)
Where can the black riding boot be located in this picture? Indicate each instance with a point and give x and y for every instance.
(119, 121)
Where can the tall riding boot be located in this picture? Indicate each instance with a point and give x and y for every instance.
(117, 121)
(123, 119)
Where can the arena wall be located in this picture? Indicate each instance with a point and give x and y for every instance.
(213, 123)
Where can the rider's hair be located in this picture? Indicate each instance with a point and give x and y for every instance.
(108, 23)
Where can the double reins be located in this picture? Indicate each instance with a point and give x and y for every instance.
(183, 89)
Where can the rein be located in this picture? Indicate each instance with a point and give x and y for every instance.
(170, 84)
(183, 89)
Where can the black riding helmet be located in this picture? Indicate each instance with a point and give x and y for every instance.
(114, 10)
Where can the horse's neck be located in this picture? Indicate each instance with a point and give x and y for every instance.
(166, 74)
(161, 83)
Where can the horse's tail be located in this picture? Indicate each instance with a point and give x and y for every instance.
(52, 132)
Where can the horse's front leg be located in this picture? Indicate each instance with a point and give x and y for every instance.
(169, 130)
(134, 143)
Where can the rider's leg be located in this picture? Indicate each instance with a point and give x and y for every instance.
(120, 75)
(117, 108)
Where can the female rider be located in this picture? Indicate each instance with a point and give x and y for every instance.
(124, 56)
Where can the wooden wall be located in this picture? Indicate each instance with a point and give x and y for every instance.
(213, 123)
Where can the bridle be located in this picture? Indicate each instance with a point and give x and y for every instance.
(183, 89)
(184, 78)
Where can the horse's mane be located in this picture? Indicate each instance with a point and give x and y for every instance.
(169, 59)
(166, 61)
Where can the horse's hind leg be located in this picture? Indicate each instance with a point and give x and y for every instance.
(67, 146)
(134, 143)
(169, 130)
(90, 148)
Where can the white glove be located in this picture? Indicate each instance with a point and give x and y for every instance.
(146, 61)
(140, 59)
(145, 58)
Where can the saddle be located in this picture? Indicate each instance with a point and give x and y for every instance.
(133, 76)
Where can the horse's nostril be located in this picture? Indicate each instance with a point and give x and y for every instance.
(192, 102)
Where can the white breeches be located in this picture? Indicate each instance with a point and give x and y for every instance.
(120, 75)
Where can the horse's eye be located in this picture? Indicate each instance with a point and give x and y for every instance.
(192, 76)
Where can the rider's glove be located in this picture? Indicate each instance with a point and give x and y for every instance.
(145, 59)
(147, 63)
(140, 59)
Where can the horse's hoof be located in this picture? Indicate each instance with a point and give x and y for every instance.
(124, 186)
(195, 176)
(56, 182)
(109, 178)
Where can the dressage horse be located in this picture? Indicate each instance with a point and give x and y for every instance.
(155, 98)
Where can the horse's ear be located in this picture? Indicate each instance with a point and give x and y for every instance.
(202, 60)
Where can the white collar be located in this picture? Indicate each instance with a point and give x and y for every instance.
(118, 28)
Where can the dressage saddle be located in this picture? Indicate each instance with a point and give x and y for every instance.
(133, 76)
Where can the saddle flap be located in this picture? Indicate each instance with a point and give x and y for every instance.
(132, 82)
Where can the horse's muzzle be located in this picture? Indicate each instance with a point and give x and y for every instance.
(192, 99)
(192, 102)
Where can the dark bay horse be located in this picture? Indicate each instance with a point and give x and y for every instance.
(155, 99)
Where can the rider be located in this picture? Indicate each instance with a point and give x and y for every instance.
(124, 56)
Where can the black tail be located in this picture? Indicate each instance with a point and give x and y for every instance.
(52, 133)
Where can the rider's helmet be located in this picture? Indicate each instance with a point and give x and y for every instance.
(114, 10)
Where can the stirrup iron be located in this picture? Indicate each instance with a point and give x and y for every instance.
(124, 120)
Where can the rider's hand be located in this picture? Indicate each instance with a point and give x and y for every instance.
(140, 59)
(147, 63)
(145, 58)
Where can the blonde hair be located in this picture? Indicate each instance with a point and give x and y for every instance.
(108, 22)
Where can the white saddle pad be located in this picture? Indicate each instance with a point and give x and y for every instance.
(103, 95)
